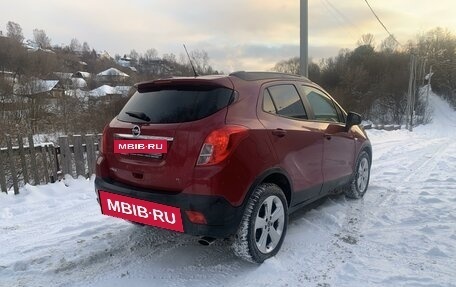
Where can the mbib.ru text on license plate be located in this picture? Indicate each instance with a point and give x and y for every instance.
(141, 211)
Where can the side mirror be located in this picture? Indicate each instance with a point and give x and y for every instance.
(353, 119)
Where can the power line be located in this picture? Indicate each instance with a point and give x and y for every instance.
(341, 18)
(383, 25)
(338, 12)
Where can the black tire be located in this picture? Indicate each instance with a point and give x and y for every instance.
(254, 241)
(360, 181)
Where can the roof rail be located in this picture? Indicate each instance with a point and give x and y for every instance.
(256, 76)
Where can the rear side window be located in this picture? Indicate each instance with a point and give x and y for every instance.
(286, 101)
(268, 105)
(322, 106)
(176, 104)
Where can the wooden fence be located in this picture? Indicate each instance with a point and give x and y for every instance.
(46, 162)
(382, 127)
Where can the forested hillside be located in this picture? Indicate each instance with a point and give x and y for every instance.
(373, 78)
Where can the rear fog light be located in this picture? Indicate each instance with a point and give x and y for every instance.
(196, 217)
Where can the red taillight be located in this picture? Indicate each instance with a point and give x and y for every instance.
(104, 140)
(219, 144)
(196, 217)
(101, 165)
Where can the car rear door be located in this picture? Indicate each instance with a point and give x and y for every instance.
(297, 142)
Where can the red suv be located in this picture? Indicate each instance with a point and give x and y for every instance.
(232, 156)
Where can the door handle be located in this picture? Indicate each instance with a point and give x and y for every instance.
(279, 133)
(328, 136)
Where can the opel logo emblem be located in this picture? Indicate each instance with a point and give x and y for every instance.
(136, 131)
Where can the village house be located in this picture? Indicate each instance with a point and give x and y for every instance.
(112, 76)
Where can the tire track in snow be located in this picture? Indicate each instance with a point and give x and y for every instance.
(420, 172)
(380, 197)
(412, 214)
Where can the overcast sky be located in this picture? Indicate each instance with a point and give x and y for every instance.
(237, 34)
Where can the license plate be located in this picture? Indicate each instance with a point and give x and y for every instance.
(140, 146)
(141, 211)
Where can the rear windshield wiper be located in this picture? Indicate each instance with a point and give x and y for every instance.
(139, 115)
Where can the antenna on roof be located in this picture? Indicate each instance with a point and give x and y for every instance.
(191, 63)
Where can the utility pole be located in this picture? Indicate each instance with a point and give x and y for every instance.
(410, 95)
(304, 41)
(428, 88)
(415, 65)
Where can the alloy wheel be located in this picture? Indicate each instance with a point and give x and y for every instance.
(363, 174)
(269, 224)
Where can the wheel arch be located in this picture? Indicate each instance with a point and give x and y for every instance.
(367, 148)
(274, 175)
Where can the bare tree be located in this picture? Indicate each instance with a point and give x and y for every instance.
(134, 55)
(366, 40)
(14, 31)
(13, 56)
(438, 46)
(75, 45)
(201, 61)
(41, 39)
(169, 57)
(85, 47)
(389, 45)
(150, 54)
(290, 66)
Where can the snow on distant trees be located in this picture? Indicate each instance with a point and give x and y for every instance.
(14, 31)
(41, 39)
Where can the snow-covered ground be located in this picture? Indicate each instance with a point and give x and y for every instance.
(403, 233)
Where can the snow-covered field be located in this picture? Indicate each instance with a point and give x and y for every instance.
(403, 233)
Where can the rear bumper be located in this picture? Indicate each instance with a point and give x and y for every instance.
(222, 218)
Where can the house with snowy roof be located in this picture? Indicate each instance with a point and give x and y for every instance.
(41, 88)
(82, 75)
(78, 83)
(125, 61)
(112, 76)
(69, 81)
(104, 55)
(78, 93)
(48, 93)
(108, 93)
(63, 75)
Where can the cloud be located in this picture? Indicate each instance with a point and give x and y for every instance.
(250, 57)
(238, 34)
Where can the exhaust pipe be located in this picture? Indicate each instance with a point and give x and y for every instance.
(206, 241)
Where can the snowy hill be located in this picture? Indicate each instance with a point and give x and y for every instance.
(443, 118)
(403, 233)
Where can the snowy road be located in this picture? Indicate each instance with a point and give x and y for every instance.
(403, 233)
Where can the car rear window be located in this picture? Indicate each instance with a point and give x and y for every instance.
(176, 104)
